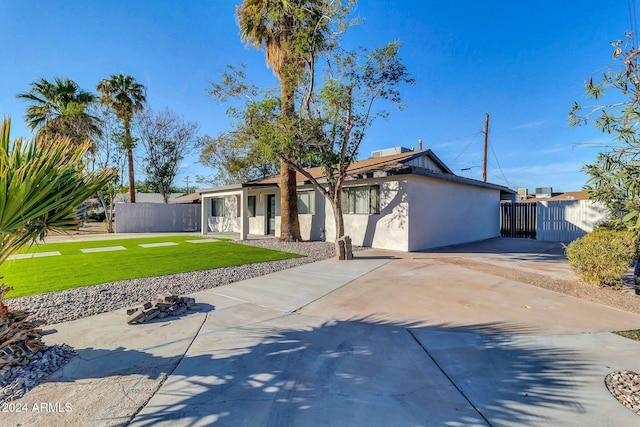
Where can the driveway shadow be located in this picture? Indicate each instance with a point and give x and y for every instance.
(511, 248)
(362, 372)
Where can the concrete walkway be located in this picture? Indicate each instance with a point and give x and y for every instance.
(387, 339)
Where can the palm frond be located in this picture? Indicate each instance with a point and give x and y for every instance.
(41, 183)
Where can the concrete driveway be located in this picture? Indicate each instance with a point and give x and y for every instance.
(386, 339)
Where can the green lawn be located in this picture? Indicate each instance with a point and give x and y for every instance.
(74, 268)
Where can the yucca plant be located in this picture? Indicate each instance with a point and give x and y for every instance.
(42, 181)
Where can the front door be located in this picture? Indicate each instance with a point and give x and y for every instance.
(271, 214)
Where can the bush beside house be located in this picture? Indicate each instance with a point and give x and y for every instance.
(603, 256)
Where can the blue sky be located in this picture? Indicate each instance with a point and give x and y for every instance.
(524, 63)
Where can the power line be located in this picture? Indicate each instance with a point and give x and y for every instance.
(475, 135)
(456, 138)
(500, 168)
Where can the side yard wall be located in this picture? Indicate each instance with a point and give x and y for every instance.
(567, 220)
(443, 213)
(156, 217)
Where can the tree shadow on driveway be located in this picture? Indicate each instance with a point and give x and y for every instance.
(363, 372)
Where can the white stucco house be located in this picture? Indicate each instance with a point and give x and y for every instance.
(406, 201)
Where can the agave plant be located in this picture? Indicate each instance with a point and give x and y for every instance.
(41, 183)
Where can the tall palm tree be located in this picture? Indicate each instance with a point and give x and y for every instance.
(279, 26)
(61, 108)
(125, 97)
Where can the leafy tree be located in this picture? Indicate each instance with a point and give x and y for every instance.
(236, 155)
(331, 121)
(110, 154)
(166, 139)
(125, 97)
(615, 175)
(235, 158)
(290, 31)
(61, 108)
(332, 125)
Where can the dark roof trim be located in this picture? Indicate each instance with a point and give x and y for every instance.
(251, 184)
(236, 187)
(460, 179)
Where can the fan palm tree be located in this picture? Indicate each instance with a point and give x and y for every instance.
(125, 97)
(61, 108)
(281, 27)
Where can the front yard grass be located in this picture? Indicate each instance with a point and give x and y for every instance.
(73, 268)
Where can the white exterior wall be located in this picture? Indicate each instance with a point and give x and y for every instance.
(415, 213)
(444, 213)
(230, 222)
(312, 226)
(387, 230)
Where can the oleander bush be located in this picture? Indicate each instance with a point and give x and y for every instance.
(603, 256)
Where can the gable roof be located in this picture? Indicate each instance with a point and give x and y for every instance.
(360, 167)
(423, 162)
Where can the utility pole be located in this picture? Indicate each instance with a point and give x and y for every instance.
(186, 178)
(486, 143)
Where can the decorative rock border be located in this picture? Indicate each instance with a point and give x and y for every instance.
(625, 386)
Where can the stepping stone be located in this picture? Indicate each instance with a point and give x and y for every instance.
(103, 249)
(35, 255)
(155, 245)
(202, 241)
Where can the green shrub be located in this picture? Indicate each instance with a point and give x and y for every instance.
(603, 256)
(96, 216)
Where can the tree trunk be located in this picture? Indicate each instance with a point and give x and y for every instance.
(132, 182)
(289, 223)
(337, 214)
(108, 211)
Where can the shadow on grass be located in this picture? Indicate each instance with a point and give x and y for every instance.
(357, 372)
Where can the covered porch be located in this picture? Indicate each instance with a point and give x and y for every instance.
(241, 211)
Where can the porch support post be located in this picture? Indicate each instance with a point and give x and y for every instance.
(244, 214)
(204, 215)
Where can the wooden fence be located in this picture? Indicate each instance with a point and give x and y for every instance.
(518, 220)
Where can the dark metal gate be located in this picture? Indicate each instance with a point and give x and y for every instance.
(518, 220)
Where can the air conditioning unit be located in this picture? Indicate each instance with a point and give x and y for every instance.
(389, 151)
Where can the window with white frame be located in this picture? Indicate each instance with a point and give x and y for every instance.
(306, 203)
(362, 200)
(217, 206)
